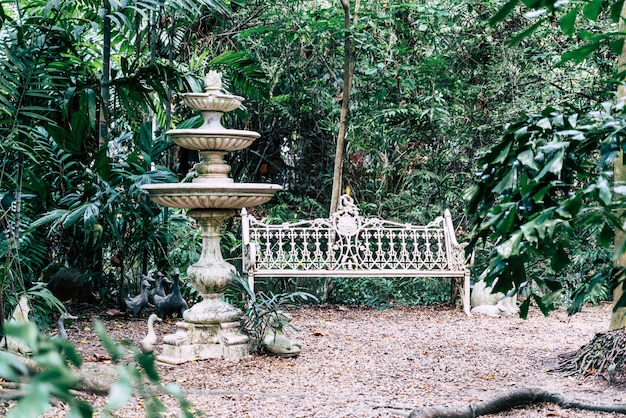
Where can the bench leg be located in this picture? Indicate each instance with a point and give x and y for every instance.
(466, 294)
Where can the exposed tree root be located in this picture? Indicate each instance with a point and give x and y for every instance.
(86, 382)
(604, 355)
(509, 399)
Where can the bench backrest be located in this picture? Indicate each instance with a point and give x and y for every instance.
(347, 242)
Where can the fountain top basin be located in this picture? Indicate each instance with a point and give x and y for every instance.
(212, 101)
(211, 196)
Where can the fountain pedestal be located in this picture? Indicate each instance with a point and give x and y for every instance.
(211, 328)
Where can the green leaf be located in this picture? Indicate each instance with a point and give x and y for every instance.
(559, 260)
(24, 331)
(11, 367)
(578, 55)
(592, 9)
(570, 207)
(503, 12)
(80, 409)
(65, 139)
(103, 164)
(115, 351)
(607, 234)
(91, 107)
(120, 394)
(530, 231)
(508, 182)
(539, 194)
(507, 223)
(511, 246)
(554, 146)
(51, 216)
(502, 150)
(146, 361)
(617, 46)
(75, 215)
(527, 158)
(544, 123)
(604, 190)
(616, 10)
(544, 307)
(523, 308)
(34, 404)
(568, 22)
(69, 352)
(555, 165)
(573, 120)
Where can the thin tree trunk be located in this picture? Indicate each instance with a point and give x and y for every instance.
(120, 295)
(106, 75)
(618, 318)
(348, 74)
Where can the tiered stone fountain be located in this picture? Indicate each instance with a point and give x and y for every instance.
(211, 327)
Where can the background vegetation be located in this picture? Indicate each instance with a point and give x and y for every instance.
(88, 90)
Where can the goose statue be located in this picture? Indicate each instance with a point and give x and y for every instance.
(148, 342)
(160, 280)
(62, 334)
(173, 302)
(135, 304)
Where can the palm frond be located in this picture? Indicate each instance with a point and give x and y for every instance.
(244, 72)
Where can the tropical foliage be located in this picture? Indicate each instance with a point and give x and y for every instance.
(553, 177)
(548, 182)
(86, 98)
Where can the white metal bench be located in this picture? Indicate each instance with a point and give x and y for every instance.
(348, 245)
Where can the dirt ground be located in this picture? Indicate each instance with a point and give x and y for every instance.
(359, 362)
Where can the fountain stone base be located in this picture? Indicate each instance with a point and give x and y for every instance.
(211, 328)
(194, 341)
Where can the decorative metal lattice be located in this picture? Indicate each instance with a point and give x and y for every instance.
(348, 244)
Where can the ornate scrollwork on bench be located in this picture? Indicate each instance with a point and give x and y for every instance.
(349, 245)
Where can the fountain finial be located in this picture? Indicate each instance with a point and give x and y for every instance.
(213, 82)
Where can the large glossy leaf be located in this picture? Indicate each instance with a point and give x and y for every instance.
(592, 9)
(568, 22)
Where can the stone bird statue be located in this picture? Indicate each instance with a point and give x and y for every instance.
(160, 280)
(148, 342)
(135, 304)
(173, 302)
(62, 334)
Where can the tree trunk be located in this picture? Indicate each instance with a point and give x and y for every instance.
(618, 318)
(348, 74)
